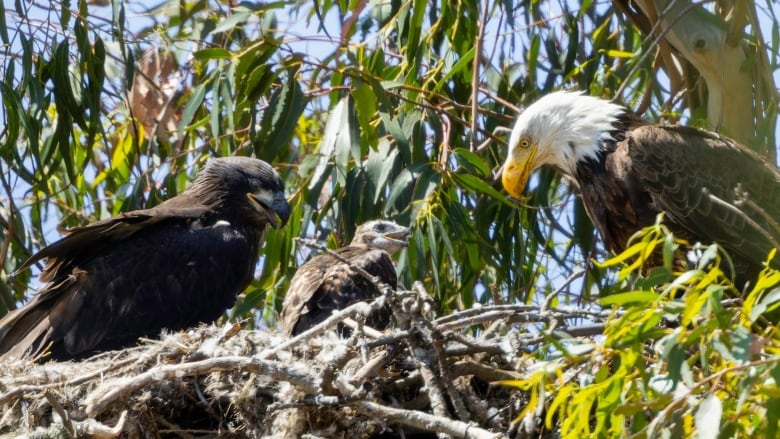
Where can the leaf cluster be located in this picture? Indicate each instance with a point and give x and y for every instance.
(683, 354)
(383, 111)
(380, 109)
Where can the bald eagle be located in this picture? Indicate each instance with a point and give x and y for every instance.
(325, 284)
(710, 188)
(175, 265)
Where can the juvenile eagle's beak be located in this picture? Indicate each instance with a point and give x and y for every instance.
(517, 170)
(271, 204)
(399, 236)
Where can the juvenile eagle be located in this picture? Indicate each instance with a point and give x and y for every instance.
(710, 188)
(325, 284)
(177, 264)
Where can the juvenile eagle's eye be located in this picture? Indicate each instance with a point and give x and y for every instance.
(379, 227)
(254, 184)
(524, 142)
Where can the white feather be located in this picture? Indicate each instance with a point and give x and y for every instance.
(567, 126)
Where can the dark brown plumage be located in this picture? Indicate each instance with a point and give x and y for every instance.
(169, 267)
(710, 188)
(325, 284)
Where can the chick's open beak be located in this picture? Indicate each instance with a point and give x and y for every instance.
(399, 236)
(271, 204)
(517, 171)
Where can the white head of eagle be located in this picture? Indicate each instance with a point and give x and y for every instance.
(560, 129)
(709, 187)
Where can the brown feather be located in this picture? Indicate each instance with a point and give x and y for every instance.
(692, 176)
(709, 188)
(169, 267)
(325, 283)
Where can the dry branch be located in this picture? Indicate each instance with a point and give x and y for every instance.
(436, 376)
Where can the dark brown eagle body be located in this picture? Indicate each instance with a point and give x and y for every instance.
(173, 266)
(709, 188)
(325, 283)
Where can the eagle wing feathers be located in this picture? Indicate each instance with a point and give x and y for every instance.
(168, 267)
(325, 284)
(709, 198)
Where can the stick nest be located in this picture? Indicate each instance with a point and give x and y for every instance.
(434, 376)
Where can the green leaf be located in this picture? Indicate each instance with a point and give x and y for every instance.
(3, 25)
(460, 67)
(252, 87)
(768, 301)
(433, 254)
(379, 165)
(478, 185)
(336, 141)
(253, 57)
(655, 276)
(365, 103)
(193, 104)
(212, 53)
(414, 29)
(64, 14)
(735, 345)
(281, 117)
(65, 95)
(400, 189)
(472, 163)
(583, 227)
(635, 297)
(772, 416)
(238, 18)
(708, 418)
(620, 54)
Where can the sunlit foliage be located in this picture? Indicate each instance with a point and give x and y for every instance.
(378, 109)
(680, 356)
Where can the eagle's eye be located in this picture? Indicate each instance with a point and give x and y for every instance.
(524, 142)
(254, 184)
(379, 227)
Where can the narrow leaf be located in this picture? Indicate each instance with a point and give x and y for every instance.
(193, 103)
(237, 19)
(708, 417)
(212, 53)
(630, 297)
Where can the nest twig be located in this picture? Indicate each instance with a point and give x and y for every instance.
(423, 375)
(434, 376)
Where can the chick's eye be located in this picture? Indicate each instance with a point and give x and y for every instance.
(254, 184)
(379, 227)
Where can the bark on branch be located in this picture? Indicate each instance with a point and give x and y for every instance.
(437, 376)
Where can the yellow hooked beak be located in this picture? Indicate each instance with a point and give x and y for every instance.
(517, 170)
